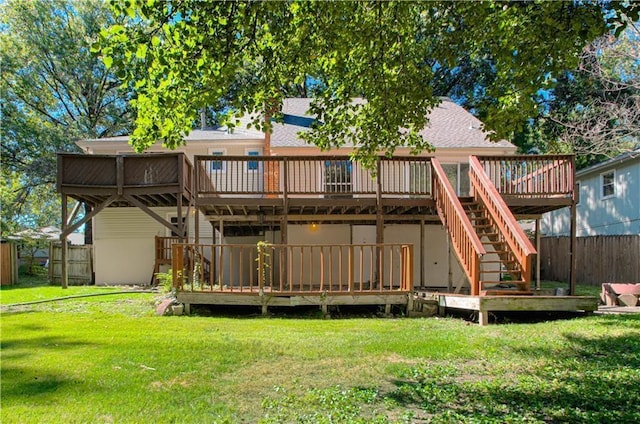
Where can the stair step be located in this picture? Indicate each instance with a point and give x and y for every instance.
(482, 225)
(512, 261)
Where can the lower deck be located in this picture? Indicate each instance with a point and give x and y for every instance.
(415, 304)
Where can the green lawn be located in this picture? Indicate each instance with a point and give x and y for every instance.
(109, 359)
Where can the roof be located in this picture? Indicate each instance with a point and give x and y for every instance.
(450, 126)
(611, 163)
(195, 136)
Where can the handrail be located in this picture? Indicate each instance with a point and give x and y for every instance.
(466, 242)
(515, 237)
(296, 268)
(530, 175)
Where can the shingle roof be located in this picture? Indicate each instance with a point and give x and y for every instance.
(450, 126)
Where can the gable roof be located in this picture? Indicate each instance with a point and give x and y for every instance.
(450, 126)
(611, 163)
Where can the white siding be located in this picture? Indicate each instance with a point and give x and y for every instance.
(615, 215)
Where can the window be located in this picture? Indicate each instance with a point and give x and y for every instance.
(608, 184)
(337, 176)
(217, 165)
(174, 221)
(578, 192)
(252, 165)
(458, 176)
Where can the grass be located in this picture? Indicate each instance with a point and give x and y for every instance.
(36, 288)
(109, 359)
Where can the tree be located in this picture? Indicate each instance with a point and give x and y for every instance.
(184, 55)
(54, 91)
(595, 110)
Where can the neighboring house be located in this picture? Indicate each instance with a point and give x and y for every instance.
(254, 187)
(608, 200)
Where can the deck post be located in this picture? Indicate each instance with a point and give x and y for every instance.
(572, 252)
(63, 240)
(379, 226)
(196, 226)
(483, 317)
(538, 254)
(422, 252)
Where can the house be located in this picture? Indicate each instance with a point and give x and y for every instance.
(272, 214)
(608, 200)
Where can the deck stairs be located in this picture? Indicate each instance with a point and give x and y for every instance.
(492, 249)
(500, 272)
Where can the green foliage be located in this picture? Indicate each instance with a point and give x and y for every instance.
(183, 56)
(166, 280)
(594, 110)
(53, 91)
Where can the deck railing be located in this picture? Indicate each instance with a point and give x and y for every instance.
(164, 248)
(530, 175)
(328, 176)
(290, 269)
(121, 172)
(501, 217)
(465, 241)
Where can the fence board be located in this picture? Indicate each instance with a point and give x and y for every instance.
(80, 264)
(8, 263)
(600, 259)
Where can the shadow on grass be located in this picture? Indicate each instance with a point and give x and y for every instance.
(24, 383)
(591, 380)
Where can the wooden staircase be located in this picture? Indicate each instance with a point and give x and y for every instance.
(494, 252)
(500, 272)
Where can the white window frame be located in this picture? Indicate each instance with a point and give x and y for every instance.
(248, 152)
(602, 185)
(578, 191)
(218, 152)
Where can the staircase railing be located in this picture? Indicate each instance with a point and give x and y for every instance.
(466, 243)
(485, 191)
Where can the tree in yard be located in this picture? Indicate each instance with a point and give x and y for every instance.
(184, 55)
(53, 91)
(594, 110)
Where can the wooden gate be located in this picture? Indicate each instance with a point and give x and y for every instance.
(80, 264)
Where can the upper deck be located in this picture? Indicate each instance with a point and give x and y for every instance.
(156, 179)
(266, 189)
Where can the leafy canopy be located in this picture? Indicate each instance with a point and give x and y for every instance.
(184, 55)
(53, 91)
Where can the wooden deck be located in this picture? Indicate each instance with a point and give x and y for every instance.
(155, 179)
(484, 305)
(271, 192)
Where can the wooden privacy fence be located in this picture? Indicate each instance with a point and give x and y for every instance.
(80, 264)
(8, 263)
(285, 269)
(600, 259)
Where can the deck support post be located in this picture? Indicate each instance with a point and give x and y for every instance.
(538, 254)
(572, 251)
(63, 240)
(450, 263)
(379, 227)
(265, 309)
(196, 226)
(483, 317)
(422, 252)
